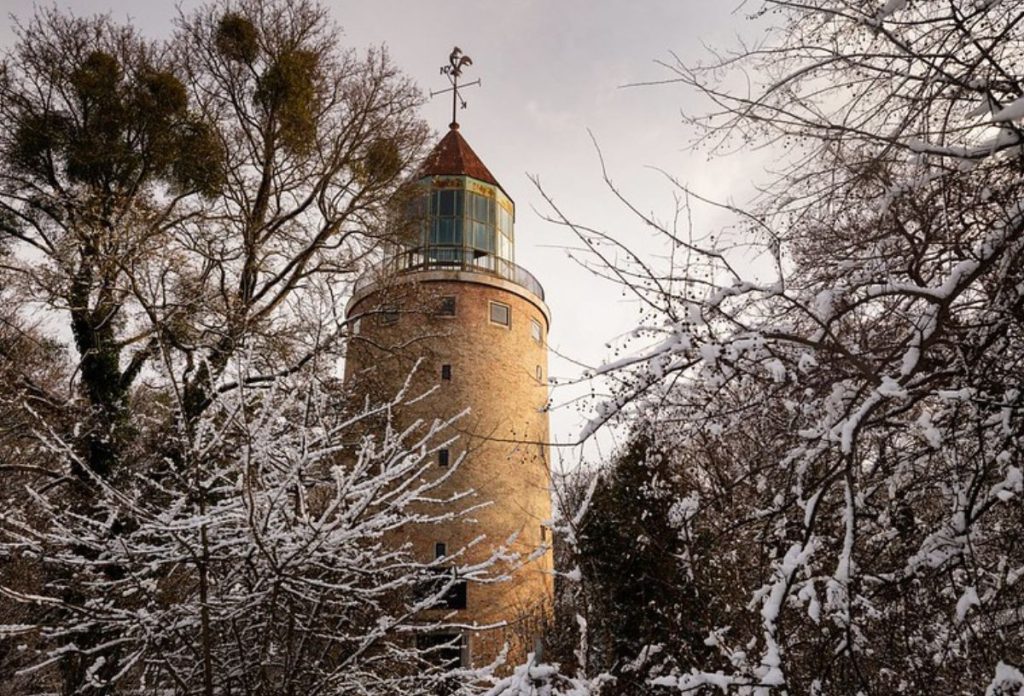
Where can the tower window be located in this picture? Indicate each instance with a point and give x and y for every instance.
(504, 222)
(543, 533)
(446, 372)
(442, 457)
(388, 317)
(440, 549)
(357, 326)
(456, 596)
(445, 650)
(446, 307)
(536, 331)
(481, 208)
(442, 585)
(449, 203)
(501, 314)
(540, 374)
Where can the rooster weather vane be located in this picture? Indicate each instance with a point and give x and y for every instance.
(456, 62)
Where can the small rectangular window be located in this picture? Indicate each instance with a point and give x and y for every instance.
(440, 550)
(446, 372)
(501, 314)
(439, 578)
(446, 307)
(388, 317)
(536, 331)
(543, 533)
(442, 457)
(456, 596)
(444, 650)
(540, 374)
(504, 221)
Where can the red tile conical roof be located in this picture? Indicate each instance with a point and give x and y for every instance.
(454, 157)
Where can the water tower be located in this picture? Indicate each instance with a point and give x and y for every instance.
(452, 300)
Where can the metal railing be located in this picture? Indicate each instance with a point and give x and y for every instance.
(450, 259)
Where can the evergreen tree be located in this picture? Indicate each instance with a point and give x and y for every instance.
(646, 614)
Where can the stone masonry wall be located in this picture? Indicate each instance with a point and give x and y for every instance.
(500, 375)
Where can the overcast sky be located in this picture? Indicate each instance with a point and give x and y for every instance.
(550, 71)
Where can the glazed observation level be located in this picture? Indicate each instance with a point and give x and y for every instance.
(457, 218)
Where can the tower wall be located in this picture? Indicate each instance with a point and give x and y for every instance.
(500, 375)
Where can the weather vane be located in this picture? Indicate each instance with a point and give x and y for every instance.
(456, 62)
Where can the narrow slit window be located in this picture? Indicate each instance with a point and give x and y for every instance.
(543, 533)
(440, 550)
(446, 372)
(540, 374)
(501, 314)
(536, 331)
(442, 457)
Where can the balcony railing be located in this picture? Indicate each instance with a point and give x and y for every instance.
(450, 259)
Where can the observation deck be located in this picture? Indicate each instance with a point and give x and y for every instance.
(448, 259)
(456, 222)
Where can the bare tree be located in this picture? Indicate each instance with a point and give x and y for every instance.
(172, 202)
(174, 208)
(100, 152)
(876, 369)
(317, 142)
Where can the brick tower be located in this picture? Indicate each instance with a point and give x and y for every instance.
(452, 300)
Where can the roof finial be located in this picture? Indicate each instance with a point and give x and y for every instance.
(456, 62)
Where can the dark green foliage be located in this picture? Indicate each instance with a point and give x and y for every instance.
(161, 96)
(35, 138)
(383, 161)
(97, 151)
(95, 80)
(94, 128)
(120, 128)
(237, 38)
(198, 165)
(287, 91)
(184, 149)
(633, 551)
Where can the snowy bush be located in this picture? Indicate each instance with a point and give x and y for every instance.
(265, 561)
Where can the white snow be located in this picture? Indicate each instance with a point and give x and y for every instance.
(1007, 679)
(683, 510)
(1011, 112)
(1010, 486)
(890, 8)
(892, 388)
(967, 600)
(931, 434)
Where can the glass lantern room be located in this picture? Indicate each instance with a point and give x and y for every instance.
(456, 217)
(461, 222)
